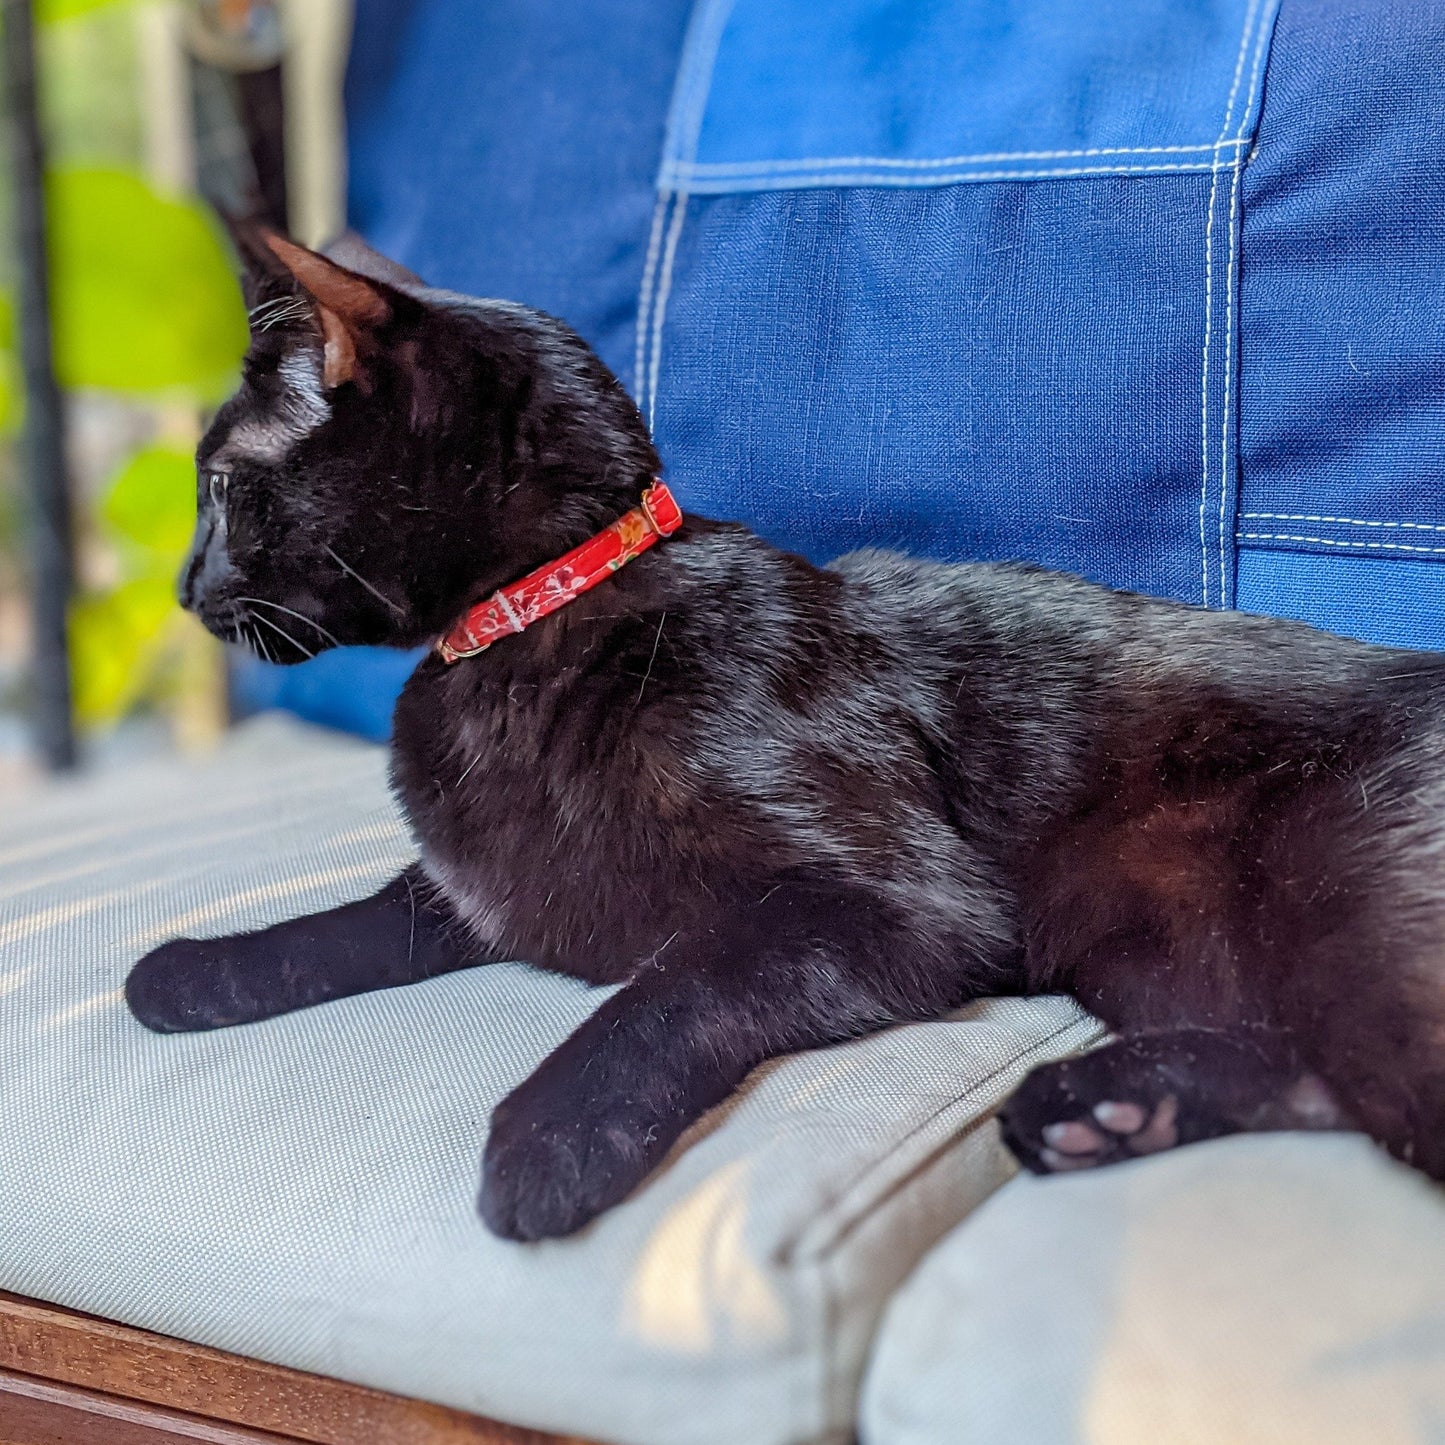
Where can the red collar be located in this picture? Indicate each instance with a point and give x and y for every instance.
(562, 581)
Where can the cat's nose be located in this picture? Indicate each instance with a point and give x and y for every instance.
(189, 576)
(190, 580)
(203, 567)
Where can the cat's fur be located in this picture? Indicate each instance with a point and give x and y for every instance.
(785, 805)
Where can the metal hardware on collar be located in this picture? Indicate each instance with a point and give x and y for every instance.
(516, 607)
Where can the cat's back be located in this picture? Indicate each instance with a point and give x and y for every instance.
(1048, 620)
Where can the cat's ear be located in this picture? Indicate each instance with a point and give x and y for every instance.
(348, 307)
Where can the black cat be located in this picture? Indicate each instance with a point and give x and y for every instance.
(785, 805)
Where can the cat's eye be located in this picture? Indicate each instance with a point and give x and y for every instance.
(216, 483)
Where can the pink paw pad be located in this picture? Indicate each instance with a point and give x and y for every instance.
(1113, 1128)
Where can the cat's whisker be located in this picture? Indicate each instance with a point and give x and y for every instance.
(651, 660)
(252, 639)
(280, 309)
(300, 312)
(281, 631)
(260, 316)
(262, 308)
(353, 573)
(299, 616)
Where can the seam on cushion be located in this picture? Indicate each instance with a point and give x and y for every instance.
(1339, 521)
(824, 1264)
(698, 169)
(824, 1285)
(833, 1230)
(1228, 467)
(1209, 298)
(1331, 542)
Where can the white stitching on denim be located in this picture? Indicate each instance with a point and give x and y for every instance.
(705, 28)
(787, 183)
(698, 170)
(1209, 303)
(1231, 286)
(1228, 347)
(1341, 521)
(644, 296)
(689, 103)
(659, 310)
(1331, 542)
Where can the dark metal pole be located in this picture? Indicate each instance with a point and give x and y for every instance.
(43, 439)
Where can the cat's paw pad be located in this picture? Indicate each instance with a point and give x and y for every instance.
(1099, 1108)
(545, 1177)
(1113, 1130)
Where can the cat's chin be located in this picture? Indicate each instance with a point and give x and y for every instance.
(270, 657)
(268, 631)
(254, 639)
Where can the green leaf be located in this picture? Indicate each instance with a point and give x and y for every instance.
(47, 10)
(10, 392)
(116, 642)
(144, 296)
(121, 638)
(152, 504)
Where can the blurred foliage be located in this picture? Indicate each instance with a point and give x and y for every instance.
(145, 306)
(47, 10)
(144, 303)
(10, 390)
(88, 85)
(118, 646)
(126, 641)
(151, 506)
(145, 297)
(89, 72)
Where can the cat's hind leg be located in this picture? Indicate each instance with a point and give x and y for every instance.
(1143, 1094)
(400, 935)
(1272, 956)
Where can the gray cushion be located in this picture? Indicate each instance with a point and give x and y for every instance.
(301, 1190)
(1274, 1289)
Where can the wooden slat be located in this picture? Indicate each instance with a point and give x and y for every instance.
(50, 1343)
(39, 1412)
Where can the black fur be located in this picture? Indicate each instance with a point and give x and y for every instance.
(786, 805)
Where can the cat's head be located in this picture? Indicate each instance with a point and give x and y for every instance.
(393, 454)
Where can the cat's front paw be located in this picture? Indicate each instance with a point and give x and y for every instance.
(184, 986)
(551, 1166)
